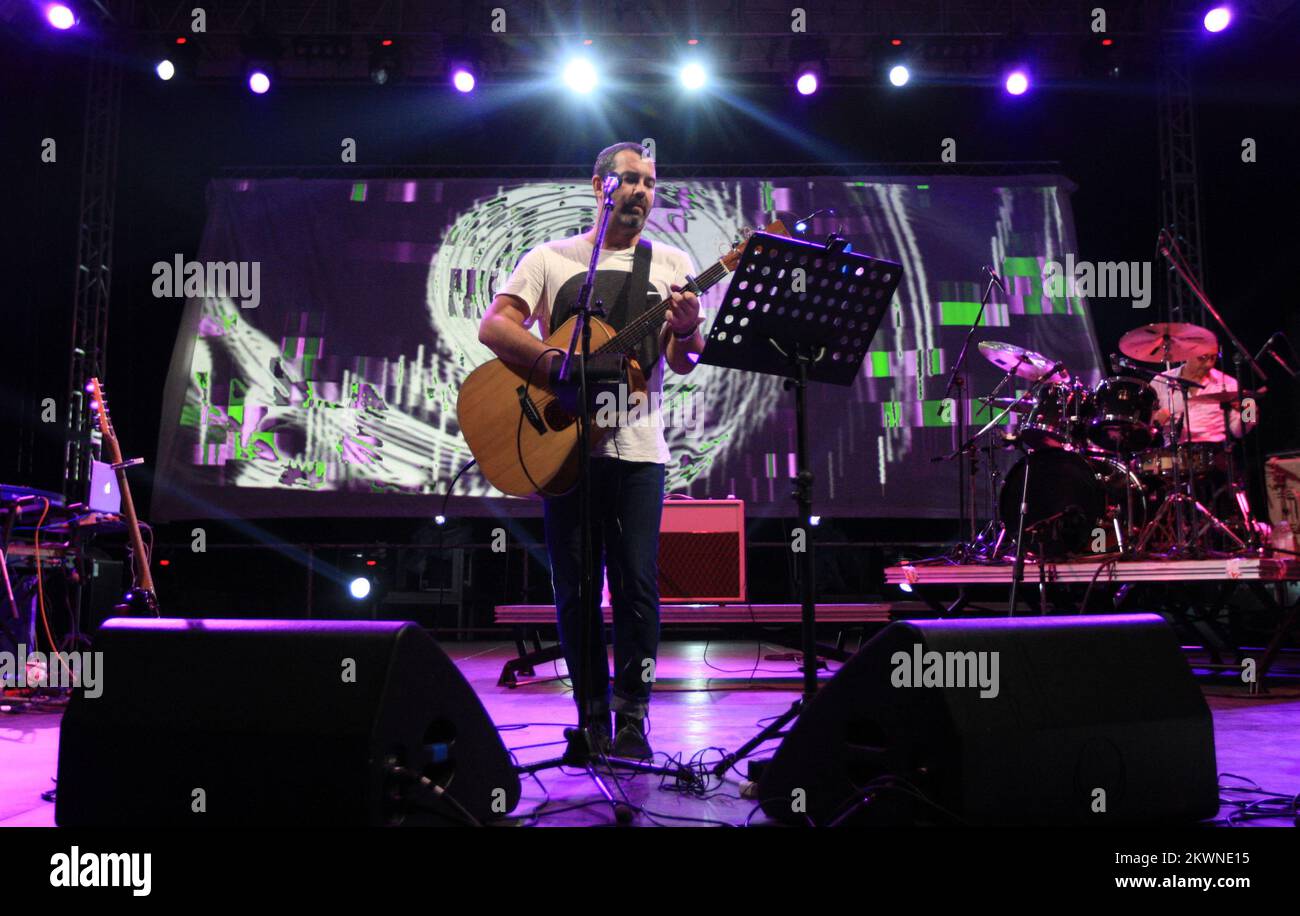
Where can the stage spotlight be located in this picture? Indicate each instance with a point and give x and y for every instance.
(385, 62)
(165, 70)
(60, 16)
(807, 82)
(899, 75)
(261, 50)
(814, 520)
(359, 588)
(904, 586)
(1218, 19)
(1017, 82)
(693, 76)
(580, 75)
(463, 79)
(440, 519)
(808, 55)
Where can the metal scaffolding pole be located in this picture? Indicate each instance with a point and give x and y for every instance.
(1179, 199)
(94, 262)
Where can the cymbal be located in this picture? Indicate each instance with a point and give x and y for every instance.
(1225, 397)
(1025, 363)
(1175, 341)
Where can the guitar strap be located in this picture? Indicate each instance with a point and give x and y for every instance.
(635, 302)
(623, 302)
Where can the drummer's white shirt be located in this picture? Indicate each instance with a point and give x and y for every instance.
(1206, 416)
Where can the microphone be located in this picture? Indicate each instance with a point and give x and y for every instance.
(1268, 345)
(1124, 362)
(611, 184)
(994, 277)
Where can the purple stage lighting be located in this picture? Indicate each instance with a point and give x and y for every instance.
(463, 80)
(806, 83)
(259, 82)
(1217, 19)
(60, 16)
(1017, 82)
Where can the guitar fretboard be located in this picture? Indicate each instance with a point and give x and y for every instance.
(627, 340)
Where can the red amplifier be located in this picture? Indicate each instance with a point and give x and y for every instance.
(702, 551)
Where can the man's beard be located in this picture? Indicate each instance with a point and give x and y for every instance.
(631, 219)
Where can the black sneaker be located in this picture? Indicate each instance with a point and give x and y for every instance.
(629, 738)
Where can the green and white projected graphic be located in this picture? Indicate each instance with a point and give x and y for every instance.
(336, 394)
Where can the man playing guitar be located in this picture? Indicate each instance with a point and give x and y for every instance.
(627, 466)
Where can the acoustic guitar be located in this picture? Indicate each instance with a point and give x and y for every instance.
(524, 442)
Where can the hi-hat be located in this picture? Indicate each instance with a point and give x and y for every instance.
(1025, 363)
(1017, 405)
(1167, 341)
(1233, 397)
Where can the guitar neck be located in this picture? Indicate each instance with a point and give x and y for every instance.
(627, 340)
(128, 509)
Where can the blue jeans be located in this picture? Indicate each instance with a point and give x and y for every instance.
(627, 502)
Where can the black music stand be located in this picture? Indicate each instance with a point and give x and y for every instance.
(806, 312)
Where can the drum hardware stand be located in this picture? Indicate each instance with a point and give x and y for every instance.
(1188, 534)
(972, 548)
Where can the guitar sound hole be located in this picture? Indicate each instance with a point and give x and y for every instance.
(555, 416)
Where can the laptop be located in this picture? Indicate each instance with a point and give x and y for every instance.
(105, 496)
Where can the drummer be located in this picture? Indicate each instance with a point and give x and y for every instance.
(1208, 423)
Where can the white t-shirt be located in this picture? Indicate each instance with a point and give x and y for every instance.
(547, 268)
(1206, 416)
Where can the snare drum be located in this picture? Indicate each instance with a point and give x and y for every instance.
(1199, 459)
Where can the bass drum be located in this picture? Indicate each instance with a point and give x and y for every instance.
(1076, 505)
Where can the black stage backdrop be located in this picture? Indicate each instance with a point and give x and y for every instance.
(336, 394)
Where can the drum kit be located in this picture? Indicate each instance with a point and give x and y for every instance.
(1098, 476)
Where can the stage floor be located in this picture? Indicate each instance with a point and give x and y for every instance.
(699, 703)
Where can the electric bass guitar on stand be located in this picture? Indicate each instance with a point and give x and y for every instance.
(141, 599)
(524, 442)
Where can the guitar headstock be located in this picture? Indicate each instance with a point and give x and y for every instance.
(99, 406)
(732, 257)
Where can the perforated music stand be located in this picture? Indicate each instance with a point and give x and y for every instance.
(805, 312)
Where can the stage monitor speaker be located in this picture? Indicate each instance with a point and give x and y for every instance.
(291, 723)
(1079, 720)
(702, 551)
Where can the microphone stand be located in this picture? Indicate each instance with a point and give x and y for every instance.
(582, 749)
(1018, 568)
(957, 380)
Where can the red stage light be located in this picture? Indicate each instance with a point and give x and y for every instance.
(164, 562)
(371, 562)
(181, 40)
(896, 42)
(387, 42)
(1107, 42)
